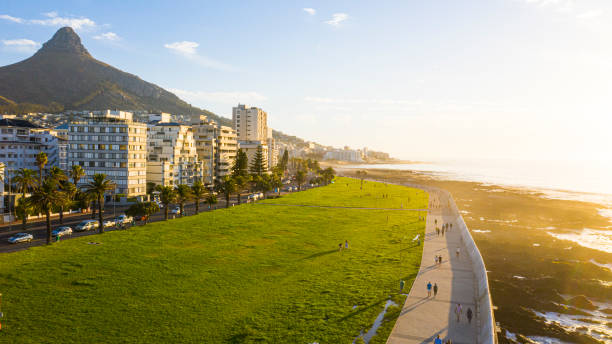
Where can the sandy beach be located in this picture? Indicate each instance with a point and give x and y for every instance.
(546, 287)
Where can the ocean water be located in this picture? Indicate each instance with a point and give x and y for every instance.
(581, 181)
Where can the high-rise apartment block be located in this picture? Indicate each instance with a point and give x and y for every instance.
(110, 142)
(172, 156)
(216, 146)
(250, 123)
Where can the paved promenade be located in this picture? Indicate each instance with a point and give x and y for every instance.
(423, 317)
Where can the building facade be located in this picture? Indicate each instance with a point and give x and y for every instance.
(216, 146)
(172, 155)
(21, 141)
(250, 123)
(110, 142)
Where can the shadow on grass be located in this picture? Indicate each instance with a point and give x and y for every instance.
(319, 254)
(361, 310)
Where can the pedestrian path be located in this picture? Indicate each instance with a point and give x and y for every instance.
(423, 318)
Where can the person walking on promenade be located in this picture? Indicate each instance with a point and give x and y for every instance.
(458, 251)
(458, 311)
(428, 289)
(469, 315)
(346, 245)
(340, 247)
(438, 340)
(436, 292)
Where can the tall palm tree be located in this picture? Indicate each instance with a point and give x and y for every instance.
(41, 161)
(22, 210)
(58, 174)
(227, 187)
(97, 188)
(241, 182)
(44, 197)
(167, 195)
(300, 178)
(211, 200)
(70, 191)
(183, 194)
(76, 173)
(25, 180)
(199, 191)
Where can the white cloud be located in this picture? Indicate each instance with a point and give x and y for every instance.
(11, 18)
(183, 47)
(591, 14)
(337, 19)
(188, 50)
(203, 97)
(107, 36)
(21, 45)
(53, 19)
(310, 11)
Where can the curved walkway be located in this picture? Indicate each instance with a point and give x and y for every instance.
(423, 318)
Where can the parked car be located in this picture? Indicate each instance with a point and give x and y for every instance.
(176, 211)
(20, 237)
(141, 218)
(108, 223)
(123, 219)
(87, 225)
(61, 231)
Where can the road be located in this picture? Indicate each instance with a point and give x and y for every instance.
(39, 230)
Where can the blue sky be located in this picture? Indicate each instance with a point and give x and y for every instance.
(528, 79)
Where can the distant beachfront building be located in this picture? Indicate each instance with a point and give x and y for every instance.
(172, 155)
(346, 154)
(216, 146)
(111, 142)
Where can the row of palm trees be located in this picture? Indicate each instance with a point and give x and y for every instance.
(52, 190)
(182, 194)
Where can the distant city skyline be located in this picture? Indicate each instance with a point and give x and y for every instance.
(511, 79)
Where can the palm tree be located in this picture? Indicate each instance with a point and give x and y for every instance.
(44, 197)
(277, 182)
(199, 191)
(70, 190)
(41, 161)
(241, 182)
(167, 195)
(227, 187)
(58, 174)
(211, 199)
(183, 194)
(76, 172)
(361, 175)
(25, 180)
(22, 210)
(97, 188)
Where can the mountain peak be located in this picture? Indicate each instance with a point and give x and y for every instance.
(65, 40)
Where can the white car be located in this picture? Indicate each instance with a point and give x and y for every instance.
(87, 225)
(123, 219)
(176, 211)
(108, 223)
(61, 231)
(21, 237)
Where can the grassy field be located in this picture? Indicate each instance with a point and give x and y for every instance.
(251, 273)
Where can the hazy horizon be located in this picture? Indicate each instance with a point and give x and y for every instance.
(510, 79)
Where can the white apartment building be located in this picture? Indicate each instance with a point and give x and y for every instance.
(250, 123)
(216, 146)
(346, 154)
(21, 141)
(172, 155)
(110, 142)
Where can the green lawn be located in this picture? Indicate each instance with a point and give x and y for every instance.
(346, 192)
(251, 273)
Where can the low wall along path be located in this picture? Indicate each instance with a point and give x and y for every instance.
(461, 279)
